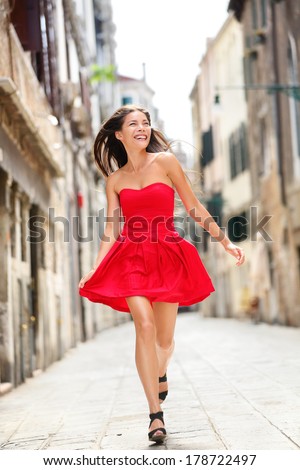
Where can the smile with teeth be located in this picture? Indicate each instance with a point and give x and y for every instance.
(141, 137)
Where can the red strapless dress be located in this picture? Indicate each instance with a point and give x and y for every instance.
(149, 258)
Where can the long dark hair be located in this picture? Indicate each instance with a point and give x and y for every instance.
(108, 149)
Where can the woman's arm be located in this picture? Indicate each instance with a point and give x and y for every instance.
(194, 207)
(112, 227)
(112, 223)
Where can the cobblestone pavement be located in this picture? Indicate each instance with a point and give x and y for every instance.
(233, 385)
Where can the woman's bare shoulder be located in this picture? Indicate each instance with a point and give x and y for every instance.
(167, 159)
(113, 179)
(163, 154)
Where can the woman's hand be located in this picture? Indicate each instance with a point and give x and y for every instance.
(237, 252)
(85, 278)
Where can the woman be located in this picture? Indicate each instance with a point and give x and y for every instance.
(146, 268)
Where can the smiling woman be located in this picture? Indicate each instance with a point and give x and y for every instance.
(109, 149)
(147, 269)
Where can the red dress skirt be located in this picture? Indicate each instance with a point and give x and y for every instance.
(149, 258)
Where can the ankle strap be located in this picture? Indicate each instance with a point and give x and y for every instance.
(159, 415)
(163, 378)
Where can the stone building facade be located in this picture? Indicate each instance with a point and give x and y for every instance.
(272, 70)
(253, 79)
(219, 117)
(48, 181)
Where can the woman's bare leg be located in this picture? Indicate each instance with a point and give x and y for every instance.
(165, 315)
(145, 352)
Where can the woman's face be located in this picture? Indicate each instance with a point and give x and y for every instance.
(135, 131)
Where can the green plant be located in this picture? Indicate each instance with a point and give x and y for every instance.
(100, 74)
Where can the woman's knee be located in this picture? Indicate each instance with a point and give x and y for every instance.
(145, 328)
(166, 343)
(143, 318)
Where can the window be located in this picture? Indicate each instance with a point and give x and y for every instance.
(23, 241)
(254, 14)
(294, 104)
(206, 238)
(263, 12)
(34, 22)
(249, 64)
(25, 16)
(207, 147)
(238, 151)
(238, 228)
(265, 157)
(13, 221)
(232, 153)
(99, 28)
(126, 100)
(271, 266)
(243, 147)
(215, 206)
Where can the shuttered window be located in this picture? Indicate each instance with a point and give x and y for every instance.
(25, 17)
(238, 151)
(34, 22)
(207, 147)
(254, 14)
(263, 12)
(238, 227)
(126, 100)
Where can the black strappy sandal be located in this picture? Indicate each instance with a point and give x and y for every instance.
(160, 437)
(163, 395)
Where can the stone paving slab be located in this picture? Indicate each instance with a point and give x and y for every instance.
(233, 385)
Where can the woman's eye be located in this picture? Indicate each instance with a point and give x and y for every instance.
(145, 124)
